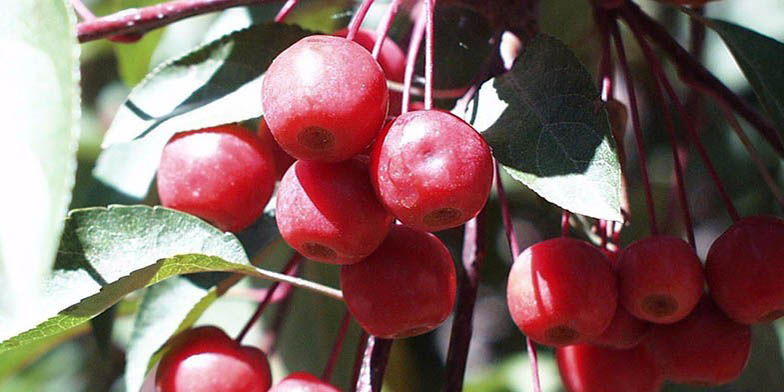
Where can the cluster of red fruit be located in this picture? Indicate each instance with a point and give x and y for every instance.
(326, 102)
(629, 321)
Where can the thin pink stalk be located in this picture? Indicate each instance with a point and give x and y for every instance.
(636, 124)
(429, 12)
(383, 28)
(285, 10)
(413, 52)
(82, 10)
(358, 18)
(336, 347)
(565, 223)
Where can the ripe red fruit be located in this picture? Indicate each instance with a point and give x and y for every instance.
(324, 98)
(432, 170)
(302, 382)
(206, 359)
(660, 279)
(224, 175)
(562, 291)
(745, 270)
(392, 61)
(705, 348)
(329, 212)
(588, 368)
(625, 331)
(282, 160)
(405, 288)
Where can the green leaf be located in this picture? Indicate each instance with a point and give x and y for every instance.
(40, 111)
(215, 84)
(761, 59)
(107, 253)
(551, 135)
(133, 60)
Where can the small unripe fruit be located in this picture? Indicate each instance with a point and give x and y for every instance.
(405, 288)
(562, 291)
(589, 368)
(745, 270)
(432, 170)
(328, 211)
(224, 175)
(324, 98)
(706, 348)
(205, 359)
(660, 279)
(282, 160)
(302, 382)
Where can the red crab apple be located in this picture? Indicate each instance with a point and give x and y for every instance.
(405, 288)
(625, 331)
(223, 174)
(324, 98)
(431, 169)
(302, 382)
(562, 291)
(329, 212)
(205, 359)
(589, 368)
(660, 279)
(745, 270)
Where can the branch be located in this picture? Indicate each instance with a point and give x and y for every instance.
(141, 20)
(691, 71)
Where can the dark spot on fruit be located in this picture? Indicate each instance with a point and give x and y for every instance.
(659, 305)
(561, 335)
(442, 216)
(316, 138)
(315, 250)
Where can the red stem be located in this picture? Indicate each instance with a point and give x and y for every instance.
(462, 326)
(657, 73)
(636, 124)
(565, 223)
(358, 18)
(692, 72)
(285, 10)
(333, 356)
(358, 358)
(606, 70)
(413, 52)
(603, 233)
(289, 269)
(691, 129)
(429, 11)
(383, 28)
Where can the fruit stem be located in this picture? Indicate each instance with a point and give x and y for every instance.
(605, 60)
(289, 269)
(142, 20)
(413, 50)
(565, 223)
(285, 10)
(270, 340)
(514, 246)
(692, 72)
(657, 74)
(636, 124)
(374, 362)
(690, 128)
(383, 27)
(336, 347)
(603, 233)
(358, 357)
(462, 326)
(429, 11)
(358, 18)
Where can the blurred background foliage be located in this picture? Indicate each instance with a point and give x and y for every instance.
(77, 361)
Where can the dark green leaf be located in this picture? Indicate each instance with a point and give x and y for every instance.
(215, 84)
(551, 135)
(40, 111)
(761, 59)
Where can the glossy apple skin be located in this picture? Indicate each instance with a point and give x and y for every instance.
(589, 368)
(224, 175)
(432, 170)
(745, 270)
(302, 382)
(392, 61)
(205, 359)
(405, 288)
(282, 160)
(706, 348)
(328, 211)
(660, 279)
(324, 98)
(625, 331)
(562, 291)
